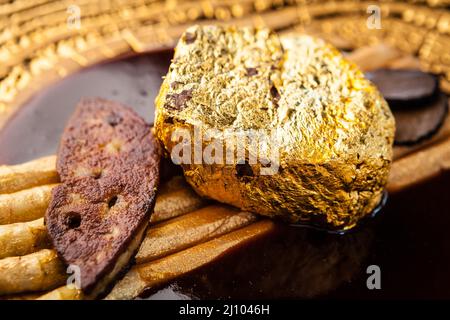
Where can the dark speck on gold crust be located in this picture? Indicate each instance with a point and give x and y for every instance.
(275, 94)
(252, 71)
(244, 170)
(190, 37)
(178, 100)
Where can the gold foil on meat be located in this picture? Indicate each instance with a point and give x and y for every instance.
(336, 131)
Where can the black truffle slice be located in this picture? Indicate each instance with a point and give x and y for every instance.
(405, 88)
(418, 124)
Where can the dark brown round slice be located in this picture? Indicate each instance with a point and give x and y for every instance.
(109, 165)
(405, 88)
(415, 125)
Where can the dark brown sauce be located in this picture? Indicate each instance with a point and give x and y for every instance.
(409, 240)
(35, 129)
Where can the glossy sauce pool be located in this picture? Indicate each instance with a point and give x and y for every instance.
(409, 240)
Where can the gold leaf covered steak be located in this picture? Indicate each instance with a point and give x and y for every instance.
(108, 161)
(328, 129)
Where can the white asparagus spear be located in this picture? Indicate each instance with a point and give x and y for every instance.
(25, 205)
(175, 198)
(157, 272)
(30, 174)
(42, 270)
(62, 293)
(19, 239)
(374, 57)
(419, 166)
(192, 228)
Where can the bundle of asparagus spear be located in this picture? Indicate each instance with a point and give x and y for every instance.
(185, 233)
